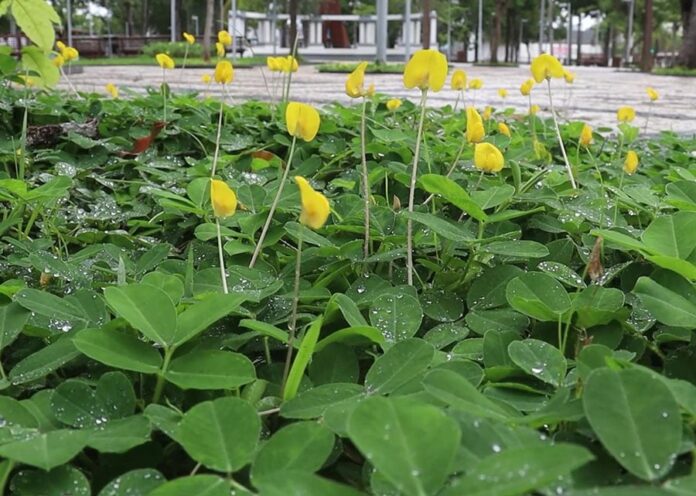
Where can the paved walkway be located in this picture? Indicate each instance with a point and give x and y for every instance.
(593, 97)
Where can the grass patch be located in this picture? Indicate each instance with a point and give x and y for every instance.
(675, 71)
(191, 62)
(372, 68)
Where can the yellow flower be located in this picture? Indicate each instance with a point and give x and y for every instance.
(206, 78)
(302, 120)
(475, 84)
(224, 73)
(502, 93)
(504, 129)
(546, 66)
(288, 64)
(112, 90)
(458, 81)
(427, 70)
(625, 114)
(355, 84)
(165, 61)
(586, 135)
(474, 126)
(371, 90)
(70, 53)
(534, 109)
(488, 158)
(652, 94)
(569, 76)
(315, 206)
(225, 38)
(58, 61)
(220, 49)
(631, 162)
(487, 112)
(526, 87)
(222, 198)
(190, 39)
(393, 104)
(60, 46)
(273, 64)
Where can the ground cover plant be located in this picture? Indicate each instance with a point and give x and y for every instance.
(180, 316)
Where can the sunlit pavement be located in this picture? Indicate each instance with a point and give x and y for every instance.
(593, 97)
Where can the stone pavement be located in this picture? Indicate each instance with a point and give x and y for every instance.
(593, 97)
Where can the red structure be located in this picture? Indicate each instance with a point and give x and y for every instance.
(335, 34)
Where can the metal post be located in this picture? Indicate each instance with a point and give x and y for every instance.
(234, 29)
(274, 25)
(519, 43)
(449, 30)
(172, 20)
(381, 31)
(551, 27)
(541, 26)
(70, 40)
(479, 31)
(569, 37)
(629, 38)
(407, 30)
(194, 18)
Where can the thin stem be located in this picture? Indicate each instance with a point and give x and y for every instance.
(412, 192)
(616, 206)
(259, 244)
(293, 316)
(183, 65)
(223, 272)
(558, 135)
(456, 102)
(366, 180)
(217, 139)
(164, 95)
(532, 122)
(647, 119)
(159, 385)
(72, 88)
(601, 182)
(561, 344)
(478, 183)
(452, 167)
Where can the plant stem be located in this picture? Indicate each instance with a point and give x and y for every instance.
(452, 167)
(366, 179)
(223, 272)
(558, 135)
(72, 88)
(6, 475)
(647, 119)
(159, 385)
(293, 316)
(412, 192)
(217, 140)
(616, 206)
(186, 50)
(164, 95)
(264, 231)
(456, 102)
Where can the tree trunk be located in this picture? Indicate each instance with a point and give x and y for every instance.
(687, 54)
(497, 21)
(425, 28)
(646, 58)
(208, 28)
(145, 20)
(578, 60)
(292, 10)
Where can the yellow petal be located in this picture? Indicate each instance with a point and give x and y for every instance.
(504, 129)
(502, 93)
(112, 90)
(474, 126)
(225, 38)
(526, 87)
(58, 61)
(569, 76)
(631, 162)
(475, 84)
(60, 46)
(586, 135)
(652, 94)
(393, 104)
(458, 80)
(70, 53)
(426, 70)
(206, 78)
(222, 198)
(315, 206)
(302, 120)
(220, 49)
(165, 61)
(546, 66)
(625, 114)
(488, 158)
(356, 81)
(224, 73)
(190, 39)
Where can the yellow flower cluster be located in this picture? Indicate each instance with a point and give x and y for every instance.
(282, 64)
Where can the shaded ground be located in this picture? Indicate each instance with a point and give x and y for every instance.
(594, 97)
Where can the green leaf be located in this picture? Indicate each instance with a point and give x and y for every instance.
(49, 305)
(200, 485)
(519, 470)
(201, 315)
(352, 335)
(211, 369)
(121, 435)
(138, 482)
(445, 228)
(563, 273)
(36, 60)
(453, 193)
(301, 447)
(397, 316)
(303, 484)
(44, 361)
(455, 390)
(636, 418)
(210, 438)
(488, 290)
(304, 355)
(146, 308)
(517, 249)
(672, 235)
(12, 320)
(401, 363)
(539, 359)
(412, 445)
(312, 403)
(667, 303)
(65, 480)
(537, 295)
(46, 450)
(349, 309)
(118, 349)
(36, 19)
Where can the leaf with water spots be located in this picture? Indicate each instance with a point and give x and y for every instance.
(539, 359)
(397, 316)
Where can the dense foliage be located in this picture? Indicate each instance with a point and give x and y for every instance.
(527, 358)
